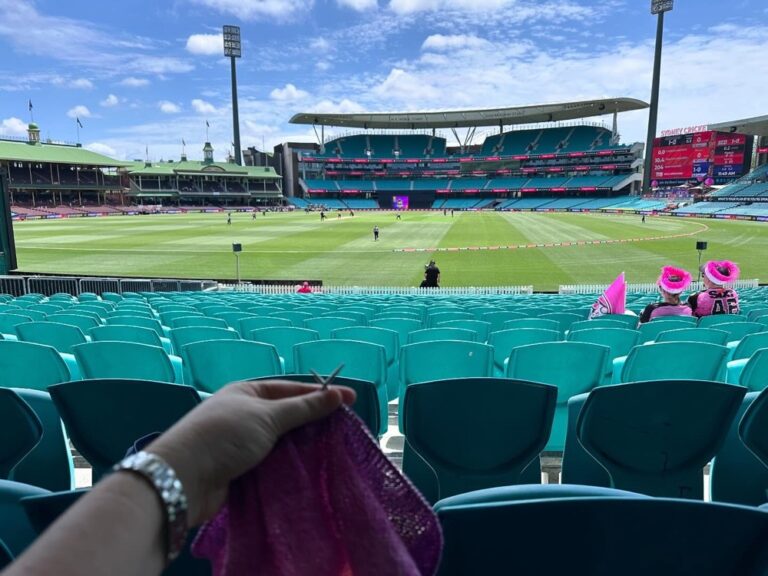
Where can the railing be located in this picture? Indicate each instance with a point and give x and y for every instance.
(49, 285)
(644, 287)
(403, 290)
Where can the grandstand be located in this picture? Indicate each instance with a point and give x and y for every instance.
(406, 156)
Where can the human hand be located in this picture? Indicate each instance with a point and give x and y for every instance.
(233, 431)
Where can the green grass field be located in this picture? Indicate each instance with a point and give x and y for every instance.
(342, 251)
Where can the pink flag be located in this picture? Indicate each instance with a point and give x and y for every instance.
(613, 300)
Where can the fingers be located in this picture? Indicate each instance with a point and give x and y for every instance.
(289, 413)
(278, 389)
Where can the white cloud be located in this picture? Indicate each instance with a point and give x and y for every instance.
(283, 10)
(288, 94)
(13, 127)
(133, 82)
(160, 65)
(167, 107)
(203, 107)
(345, 106)
(206, 44)
(323, 65)
(410, 6)
(440, 42)
(110, 101)
(359, 5)
(319, 44)
(101, 148)
(406, 87)
(79, 111)
(81, 83)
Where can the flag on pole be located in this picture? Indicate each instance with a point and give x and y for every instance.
(78, 122)
(207, 125)
(183, 143)
(613, 300)
(30, 105)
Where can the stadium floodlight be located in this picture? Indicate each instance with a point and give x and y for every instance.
(233, 49)
(658, 7)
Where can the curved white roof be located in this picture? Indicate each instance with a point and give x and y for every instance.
(469, 118)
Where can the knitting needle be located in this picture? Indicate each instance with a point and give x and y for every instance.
(327, 381)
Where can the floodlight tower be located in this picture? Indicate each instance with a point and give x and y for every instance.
(233, 49)
(658, 7)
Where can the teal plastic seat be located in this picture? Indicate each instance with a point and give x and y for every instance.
(737, 476)
(564, 319)
(389, 339)
(435, 319)
(233, 318)
(21, 430)
(741, 354)
(738, 330)
(754, 313)
(81, 320)
(672, 361)
(197, 322)
(61, 336)
(49, 464)
(403, 326)
(125, 333)
(574, 367)
(111, 359)
(409, 315)
(578, 466)
(619, 340)
(503, 341)
(296, 318)
(692, 321)
(498, 318)
(16, 532)
(327, 324)
(104, 417)
(180, 337)
(167, 318)
(361, 360)
(108, 296)
(544, 324)
(151, 323)
(656, 437)
(441, 333)
(715, 319)
(596, 323)
(754, 375)
(650, 330)
(9, 321)
(630, 321)
(46, 308)
(284, 338)
(694, 334)
(358, 318)
(601, 535)
(504, 426)
(482, 329)
(248, 325)
(35, 315)
(215, 363)
(30, 365)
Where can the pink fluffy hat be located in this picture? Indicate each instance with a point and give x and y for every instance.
(674, 280)
(721, 272)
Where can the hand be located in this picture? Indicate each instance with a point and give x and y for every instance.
(233, 431)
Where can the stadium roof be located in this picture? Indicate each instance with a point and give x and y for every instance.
(470, 118)
(757, 126)
(197, 167)
(54, 154)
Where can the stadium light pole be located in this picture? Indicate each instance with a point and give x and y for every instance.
(233, 49)
(658, 7)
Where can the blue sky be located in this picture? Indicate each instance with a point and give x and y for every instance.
(143, 74)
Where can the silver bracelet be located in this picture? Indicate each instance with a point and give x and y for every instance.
(159, 474)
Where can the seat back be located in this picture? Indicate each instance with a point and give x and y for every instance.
(544, 324)
(283, 338)
(327, 324)
(389, 339)
(443, 359)
(750, 344)
(656, 437)
(596, 323)
(111, 359)
(441, 333)
(125, 333)
(740, 330)
(498, 318)
(504, 426)
(60, 336)
(710, 335)
(503, 341)
(674, 361)
(619, 340)
(630, 321)
(104, 417)
(215, 363)
(482, 329)
(81, 320)
(715, 319)
(20, 428)
(435, 318)
(197, 321)
(180, 337)
(9, 321)
(564, 319)
(650, 330)
(403, 326)
(755, 373)
(753, 428)
(30, 365)
(151, 323)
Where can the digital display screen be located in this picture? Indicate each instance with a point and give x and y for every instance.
(400, 202)
(702, 156)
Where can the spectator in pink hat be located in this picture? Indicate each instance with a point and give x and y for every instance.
(716, 298)
(672, 282)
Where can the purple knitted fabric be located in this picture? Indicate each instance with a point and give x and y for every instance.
(325, 502)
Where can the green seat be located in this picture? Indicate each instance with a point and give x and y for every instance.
(383, 337)
(630, 321)
(233, 318)
(151, 323)
(564, 319)
(105, 417)
(442, 333)
(737, 476)
(716, 319)
(215, 363)
(436, 319)
(248, 325)
(197, 322)
(82, 321)
(100, 312)
(46, 308)
(180, 337)
(619, 340)
(410, 315)
(503, 341)
(167, 318)
(130, 313)
(49, 465)
(691, 320)
(543, 324)
(89, 297)
(738, 330)
(656, 437)
(742, 353)
(650, 330)
(21, 430)
(111, 359)
(366, 404)
(671, 361)
(504, 426)
(482, 329)
(403, 326)
(596, 323)
(284, 338)
(296, 318)
(498, 318)
(327, 324)
(9, 321)
(125, 333)
(61, 336)
(358, 318)
(755, 313)
(754, 375)
(30, 365)
(694, 334)
(108, 296)
(574, 367)
(361, 360)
